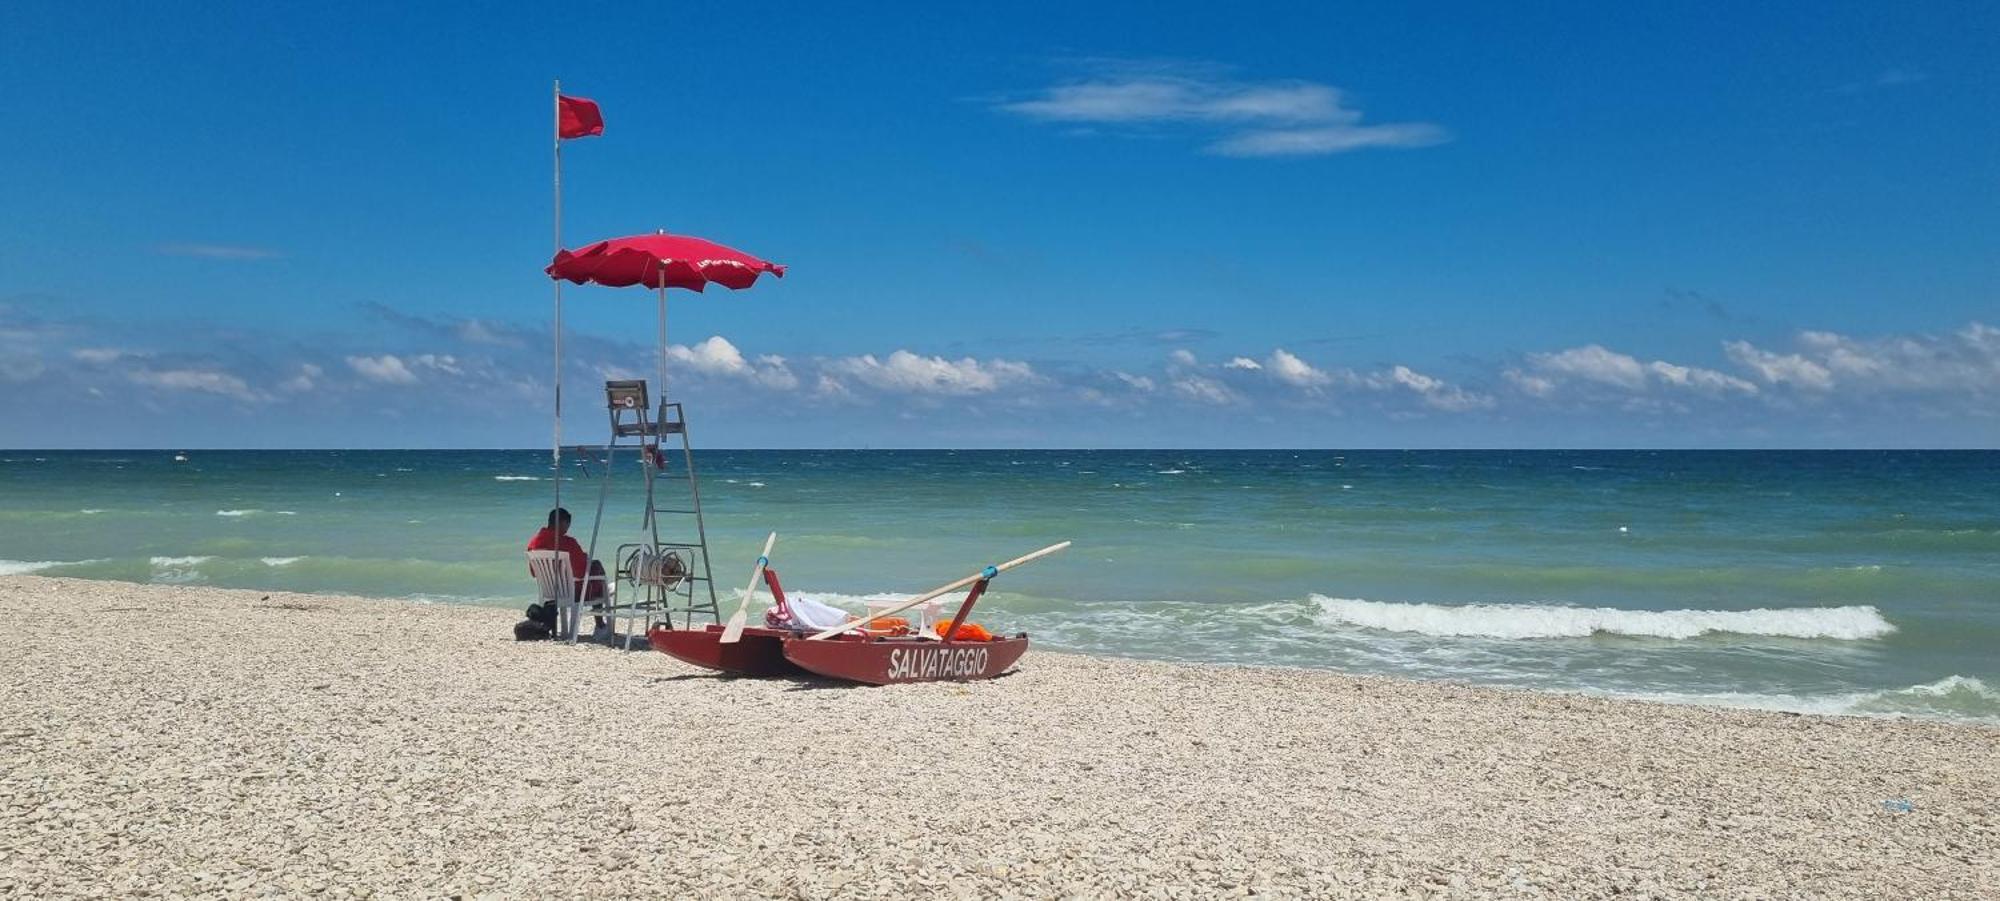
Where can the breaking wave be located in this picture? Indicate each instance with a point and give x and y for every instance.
(1963, 698)
(517, 478)
(1519, 621)
(26, 567)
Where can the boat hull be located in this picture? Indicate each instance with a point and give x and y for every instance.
(761, 652)
(895, 661)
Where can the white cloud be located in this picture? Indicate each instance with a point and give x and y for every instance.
(1531, 385)
(1965, 361)
(774, 372)
(479, 331)
(1328, 139)
(828, 386)
(1243, 363)
(1205, 390)
(1699, 379)
(387, 369)
(1435, 392)
(445, 363)
(1181, 356)
(1779, 369)
(390, 369)
(97, 356)
(1599, 365)
(1140, 383)
(306, 379)
(1273, 118)
(1153, 98)
(1291, 370)
(205, 381)
(908, 373)
(714, 356)
(1593, 363)
(717, 357)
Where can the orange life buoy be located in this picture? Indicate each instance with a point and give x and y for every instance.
(966, 632)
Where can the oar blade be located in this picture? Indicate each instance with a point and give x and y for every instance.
(733, 632)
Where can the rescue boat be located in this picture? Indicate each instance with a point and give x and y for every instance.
(850, 651)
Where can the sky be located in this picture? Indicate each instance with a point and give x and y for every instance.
(1082, 224)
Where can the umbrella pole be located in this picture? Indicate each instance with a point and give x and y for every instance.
(663, 337)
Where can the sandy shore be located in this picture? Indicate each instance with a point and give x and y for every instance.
(189, 740)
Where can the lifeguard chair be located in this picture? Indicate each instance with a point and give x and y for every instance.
(669, 572)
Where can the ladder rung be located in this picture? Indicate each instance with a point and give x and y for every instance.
(671, 510)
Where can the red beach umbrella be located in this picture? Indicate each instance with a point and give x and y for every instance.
(657, 261)
(660, 261)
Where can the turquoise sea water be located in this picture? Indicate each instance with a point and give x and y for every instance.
(1853, 582)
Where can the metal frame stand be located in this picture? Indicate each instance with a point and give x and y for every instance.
(642, 592)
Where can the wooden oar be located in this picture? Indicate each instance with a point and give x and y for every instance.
(733, 633)
(987, 573)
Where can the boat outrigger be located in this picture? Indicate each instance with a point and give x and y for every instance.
(851, 651)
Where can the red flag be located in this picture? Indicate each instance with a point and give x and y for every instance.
(580, 118)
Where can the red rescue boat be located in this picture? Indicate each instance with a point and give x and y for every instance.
(888, 661)
(848, 652)
(756, 651)
(885, 661)
(759, 652)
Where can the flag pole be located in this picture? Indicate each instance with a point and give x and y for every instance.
(555, 449)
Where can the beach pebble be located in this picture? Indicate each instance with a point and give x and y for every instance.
(339, 747)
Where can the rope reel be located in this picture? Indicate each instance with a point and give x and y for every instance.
(650, 566)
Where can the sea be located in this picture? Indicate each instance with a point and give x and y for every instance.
(1839, 582)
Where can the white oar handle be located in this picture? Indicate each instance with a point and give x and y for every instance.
(987, 573)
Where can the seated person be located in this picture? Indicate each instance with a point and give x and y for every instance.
(589, 573)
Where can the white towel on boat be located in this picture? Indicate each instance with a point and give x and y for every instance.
(810, 614)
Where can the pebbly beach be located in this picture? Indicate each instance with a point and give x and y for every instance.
(194, 741)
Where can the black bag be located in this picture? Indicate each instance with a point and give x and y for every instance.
(540, 624)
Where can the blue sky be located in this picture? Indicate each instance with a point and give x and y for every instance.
(1080, 224)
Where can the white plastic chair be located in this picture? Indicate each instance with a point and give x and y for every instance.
(556, 583)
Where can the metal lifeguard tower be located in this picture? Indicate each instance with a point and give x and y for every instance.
(667, 572)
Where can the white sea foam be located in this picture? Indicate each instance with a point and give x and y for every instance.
(178, 570)
(180, 561)
(1952, 697)
(93, 511)
(280, 561)
(237, 512)
(1168, 472)
(24, 567)
(517, 478)
(756, 484)
(1516, 621)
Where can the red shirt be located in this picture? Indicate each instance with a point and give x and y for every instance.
(544, 540)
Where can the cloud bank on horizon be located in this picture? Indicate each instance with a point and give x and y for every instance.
(499, 372)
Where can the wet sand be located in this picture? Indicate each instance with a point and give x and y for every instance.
(182, 740)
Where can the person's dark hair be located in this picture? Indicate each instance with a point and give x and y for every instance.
(558, 514)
